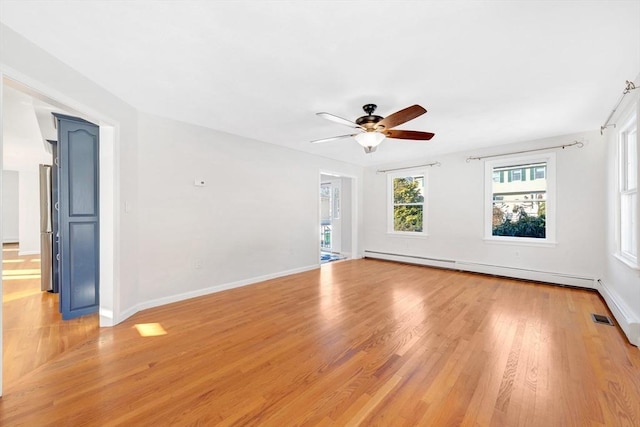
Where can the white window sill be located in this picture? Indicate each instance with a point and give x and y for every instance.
(407, 234)
(626, 261)
(521, 241)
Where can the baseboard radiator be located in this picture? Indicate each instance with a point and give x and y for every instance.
(496, 270)
(629, 323)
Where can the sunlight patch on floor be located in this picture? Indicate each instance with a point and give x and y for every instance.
(150, 329)
(23, 277)
(23, 272)
(20, 294)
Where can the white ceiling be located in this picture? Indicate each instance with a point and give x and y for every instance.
(489, 72)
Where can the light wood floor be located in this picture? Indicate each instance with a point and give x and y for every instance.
(358, 342)
(33, 330)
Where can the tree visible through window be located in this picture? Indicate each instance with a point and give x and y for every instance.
(408, 203)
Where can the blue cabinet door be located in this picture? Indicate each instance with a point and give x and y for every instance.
(78, 216)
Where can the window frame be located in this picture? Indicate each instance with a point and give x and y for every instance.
(630, 122)
(549, 158)
(391, 203)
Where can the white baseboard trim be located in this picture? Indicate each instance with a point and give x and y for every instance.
(124, 315)
(629, 323)
(106, 318)
(10, 240)
(497, 270)
(206, 291)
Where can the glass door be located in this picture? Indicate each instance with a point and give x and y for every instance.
(325, 217)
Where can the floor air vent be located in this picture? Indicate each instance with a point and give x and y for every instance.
(599, 318)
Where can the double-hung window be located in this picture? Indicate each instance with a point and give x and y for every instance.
(628, 191)
(520, 199)
(407, 211)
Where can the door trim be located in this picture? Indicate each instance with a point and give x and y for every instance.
(355, 212)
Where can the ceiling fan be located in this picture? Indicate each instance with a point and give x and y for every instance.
(372, 129)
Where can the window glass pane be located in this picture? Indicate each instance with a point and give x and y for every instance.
(628, 224)
(408, 190)
(519, 206)
(325, 203)
(631, 167)
(408, 218)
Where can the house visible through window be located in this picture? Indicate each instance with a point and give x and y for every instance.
(628, 185)
(518, 193)
(516, 174)
(407, 203)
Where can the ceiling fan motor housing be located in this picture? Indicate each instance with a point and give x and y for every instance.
(369, 121)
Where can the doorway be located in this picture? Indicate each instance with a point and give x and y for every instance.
(50, 335)
(336, 217)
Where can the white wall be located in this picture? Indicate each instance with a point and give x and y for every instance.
(9, 206)
(255, 218)
(455, 216)
(29, 211)
(620, 283)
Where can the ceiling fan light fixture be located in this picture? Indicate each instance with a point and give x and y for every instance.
(372, 129)
(369, 139)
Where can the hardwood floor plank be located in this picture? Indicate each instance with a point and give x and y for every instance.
(360, 342)
(33, 330)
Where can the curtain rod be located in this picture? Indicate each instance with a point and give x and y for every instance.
(629, 86)
(580, 144)
(408, 167)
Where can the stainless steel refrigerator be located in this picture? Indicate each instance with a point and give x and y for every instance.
(46, 229)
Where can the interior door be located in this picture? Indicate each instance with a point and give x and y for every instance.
(78, 216)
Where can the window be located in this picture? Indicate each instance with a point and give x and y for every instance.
(521, 207)
(539, 172)
(516, 175)
(407, 205)
(628, 191)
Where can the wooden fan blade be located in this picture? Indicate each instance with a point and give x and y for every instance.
(333, 138)
(402, 116)
(340, 120)
(409, 134)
